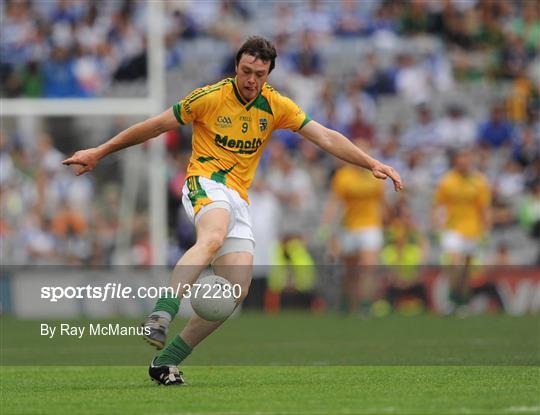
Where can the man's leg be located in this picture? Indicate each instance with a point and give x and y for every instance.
(235, 267)
(212, 228)
(457, 264)
(349, 287)
(369, 283)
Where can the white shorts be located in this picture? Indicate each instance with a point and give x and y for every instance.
(206, 194)
(366, 239)
(455, 242)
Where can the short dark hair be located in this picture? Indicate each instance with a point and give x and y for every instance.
(260, 48)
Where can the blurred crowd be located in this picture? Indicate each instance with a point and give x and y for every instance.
(70, 48)
(80, 48)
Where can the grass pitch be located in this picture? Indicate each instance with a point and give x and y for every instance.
(289, 364)
(273, 390)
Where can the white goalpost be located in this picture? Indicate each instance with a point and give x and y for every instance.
(29, 111)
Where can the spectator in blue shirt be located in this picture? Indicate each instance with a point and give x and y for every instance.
(497, 131)
(59, 76)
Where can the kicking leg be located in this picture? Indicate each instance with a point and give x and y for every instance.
(212, 229)
(235, 267)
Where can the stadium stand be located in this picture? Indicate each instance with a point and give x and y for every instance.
(396, 58)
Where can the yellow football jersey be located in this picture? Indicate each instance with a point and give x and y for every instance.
(465, 199)
(362, 196)
(230, 134)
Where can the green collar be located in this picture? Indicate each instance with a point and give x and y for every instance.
(259, 101)
(237, 93)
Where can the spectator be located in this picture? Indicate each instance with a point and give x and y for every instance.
(415, 18)
(204, 17)
(32, 80)
(511, 182)
(424, 134)
(360, 128)
(438, 67)
(39, 242)
(412, 81)
(306, 82)
(315, 19)
(67, 222)
(377, 80)
(13, 85)
(520, 99)
(50, 159)
(319, 166)
(325, 112)
(7, 168)
(527, 26)
(129, 47)
(232, 19)
(456, 129)
(350, 21)
(59, 76)
(490, 34)
(15, 33)
(90, 71)
(527, 150)
(513, 58)
(403, 258)
(91, 30)
(285, 25)
(385, 21)
(183, 25)
(352, 100)
(496, 132)
(307, 60)
(400, 223)
(141, 251)
(297, 199)
(460, 28)
(66, 12)
(389, 152)
(529, 212)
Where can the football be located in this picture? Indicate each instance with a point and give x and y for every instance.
(213, 298)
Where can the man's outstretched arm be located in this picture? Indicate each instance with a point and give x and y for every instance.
(136, 134)
(339, 146)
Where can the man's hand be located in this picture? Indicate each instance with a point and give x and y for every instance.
(382, 171)
(87, 159)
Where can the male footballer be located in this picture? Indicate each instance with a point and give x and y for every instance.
(233, 121)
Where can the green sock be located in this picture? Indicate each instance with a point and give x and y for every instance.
(169, 304)
(175, 352)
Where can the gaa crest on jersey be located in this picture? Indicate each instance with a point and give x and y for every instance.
(223, 121)
(263, 123)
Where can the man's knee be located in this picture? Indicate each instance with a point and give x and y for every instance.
(211, 242)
